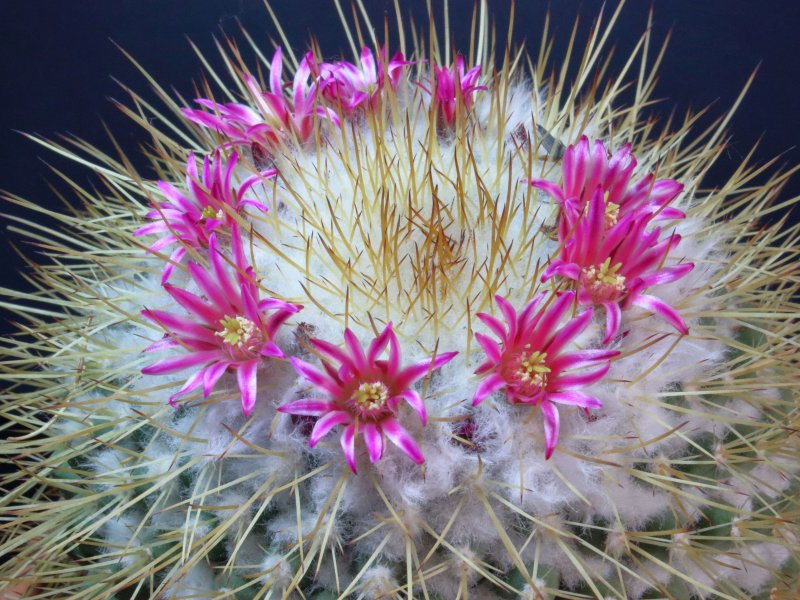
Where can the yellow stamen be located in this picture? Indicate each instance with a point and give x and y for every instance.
(208, 213)
(532, 369)
(371, 396)
(236, 331)
(605, 275)
(612, 213)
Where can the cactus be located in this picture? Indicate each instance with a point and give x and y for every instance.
(413, 327)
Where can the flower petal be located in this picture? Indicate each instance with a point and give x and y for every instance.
(669, 213)
(246, 378)
(325, 424)
(349, 446)
(178, 363)
(402, 439)
(549, 322)
(275, 304)
(510, 315)
(162, 344)
(395, 355)
(212, 375)
(664, 310)
(613, 318)
(490, 347)
(179, 326)
(310, 374)
(577, 380)
(377, 345)
(332, 352)
(150, 228)
(488, 386)
(311, 407)
(194, 304)
(567, 270)
(174, 259)
(209, 287)
(548, 187)
(551, 426)
(417, 371)
(667, 274)
(356, 351)
(570, 330)
(582, 358)
(373, 438)
(574, 398)
(275, 321)
(271, 349)
(191, 384)
(416, 403)
(275, 71)
(495, 324)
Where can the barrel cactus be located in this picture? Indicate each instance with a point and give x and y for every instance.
(415, 324)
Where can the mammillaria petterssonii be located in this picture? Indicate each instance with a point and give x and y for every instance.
(416, 325)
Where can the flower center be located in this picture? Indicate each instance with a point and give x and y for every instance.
(531, 371)
(603, 282)
(208, 213)
(371, 396)
(612, 214)
(237, 331)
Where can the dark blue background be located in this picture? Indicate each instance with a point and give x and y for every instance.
(58, 60)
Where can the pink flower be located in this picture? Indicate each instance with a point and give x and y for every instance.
(352, 87)
(189, 219)
(363, 392)
(277, 117)
(530, 361)
(612, 266)
(227, 329)
(239, 123)
(588, 167)
(452, 85)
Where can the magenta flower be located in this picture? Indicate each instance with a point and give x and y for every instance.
(352, 87)
(451, 86)
(530, 361)
(227, 329)
(612, 266)
(189, 219)
(276, 118)
(363, 392)
(588, 167)
(237, 122)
